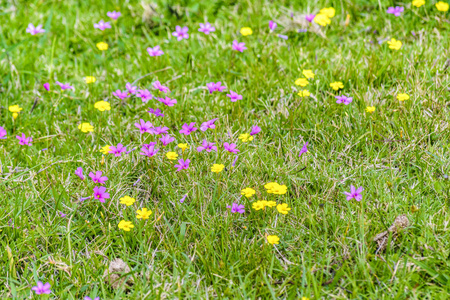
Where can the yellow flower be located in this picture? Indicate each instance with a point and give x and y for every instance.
(248, 192)
(258, 205)
(302, 82)
(102, 105)
(15, 115)
(126, 225)
(246, 137)
(127, 200)
(273, 239)
(86, 127)
(304, 93)
(275, 188)
(308, 74)
(304, 298)
(102, 46)
(90, 79)
(172, 155)
(337, 85)
(246, 31)
(394, 44)
(322, 20)
(105, 149)
(269, 203)
(402, 97)
(15, 109)
(418, 3)
(143, 214)
(442, 6)
(283, 208)
(370, 109)
(328, 11)
(217, 168)
(183, 146)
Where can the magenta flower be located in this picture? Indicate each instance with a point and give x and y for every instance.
(272, 25)
(182, 164)
(183, 198)
(100, 194)
(61, 214)
(230, 148)
(148, 150)
(166, 139)
(121, 95)
(207, 146)
(145, 95)
(282, 36)
(160, 130)
(213, 87)
(47, 86)
(102, 25)
(117, 150)
(304, 149)
(42, 288)
(181, 33)
(234, 161)
(206, 28)
(255, 130)
(98, 178)
(396, 11)
(79, 173)
(167, 101)
(131, 89)
(237, 208)
(155, 51)
(89, 298)
(144, 126)
(64, 86)
(354, 193)
(157, 112)
(157, 85)
(234, 96)
(23, 140)
(344, 99)
(114, 14)
(310, 18)
(208, 125)
(187, 129)
(238, 46)
(2, 133)
(34, 30)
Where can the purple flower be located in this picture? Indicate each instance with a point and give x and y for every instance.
(182, 164)
(89, 298)
(100, 194)
(237, 208)
(155, 51)
(234, 161)
(239, 46)
(344, 99)
(23, 140)
(61, 214)
(34, 30)
(160, 130)
(207, 146)
(157, 85)
(310, 18)
(272, 25)
(98, 178)
(206, 28)
(138, 180)
(145, 95)
(304, 149)
(354, 193)
(131, 89)
(117, 150)
(255, 130)
(230, 148)
(47, 86)
(183, 198)
(42, 288)
(148, 150)
(208, 125)
(64, 86)
(144, 126)
(157, 112)
(187, 129)
(121, 95)
(166, 139)
(396, 11)
(85, 198)
(234, 96)
(129, 151)
(181, 33)
(79, 173)
(282, 36)
(2, 133)
(102, 25)
(302, 30)
(167, 101)
(213, 87)
(114, 14)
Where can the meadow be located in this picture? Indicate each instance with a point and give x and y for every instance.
(230, 149)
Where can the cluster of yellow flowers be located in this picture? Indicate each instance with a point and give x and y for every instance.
(323, 18)
(143, 213)
(275, 188)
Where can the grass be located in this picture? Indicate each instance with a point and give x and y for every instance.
(198, 249)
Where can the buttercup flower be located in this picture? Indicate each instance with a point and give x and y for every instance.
(90, 79)
(238, 46)
(442, 6)
(304, 93)
(328, 11)
(143, 214)
(354, 193)
(114, 14)
(394, 44)
(217, 168)
(34, 30)
(322, 20)
(172, 155)
(86, 127)
(41, 288)
(100, 194)
(206, 28)
(127, 200)
(246, 31)
(304, 149)
(237, 208)
(181, 33)
(248, 192)
(102, 25)
(418, 3)
(308, 74)
(275, 188)
(402, 97)
(302, 82)
(269, 203)
(105, 149)
(182, 164)
(102, 105)
(273, 239)
(125, 225)
(344, 99)
(183, 146)
(283, 208)
(117, 150)
(155, 51)
(337, 85)
(370, 109)
(258, 205)
(245, 137)
(15, 109)
(102, 46)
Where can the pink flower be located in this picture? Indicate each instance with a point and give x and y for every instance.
(145, 95)
(206, 28)
(117, 150)
(182, 164)
(160, 130)
(114, 15)
(237, 208)
(79, 173)
(354, 193)
(272, 25)
(304, 149)
(213, 87)
(344, 99)
(208, 125)
(188, 128)
(167, 101)
(149, 150)
(23, 140)
(121, 95)
(34, 30)
(310, 18)
(157, 112)
(144, 126)
(131, 89)
(42, 288)
(47, 86)
(100, 194)
(230, 148)
(157, 85)
(97, 177)
(181, 33)
(234, 96)
(239, 46)
(102, 25)
(155, 51)
(255, 130)
(166, 139)
(206, 146)
(2, 133)
(64, 86)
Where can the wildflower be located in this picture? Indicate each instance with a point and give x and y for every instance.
(418, 3)
(217, 168)
(310, 18)
(273, 239)
(182, 164)
(396, 11)
(246, 31)
(23, 140)
(15, 109)
(234, 96)
(207, 146)
(272, 25)
(166, 139)
(302, 82)
(269, 203)
(304, 93)
(172, 155)
(308, 74)
(102, 25)
(167, 101)
(2, 133)
(114, 14)
(145, 95)
(86, 127)
(213, 87)
(322, 20)
(144, 126)
(143, 214)
(255, 130)
(96, 298)
(102, 105)
(34, 30)
(79, 173)
(127, 200)
(208, 125)
(258, 205)
(337, 85)
(160, 130)
(206, 28)
(46, 86)
(329, 12)
(370, 109)
(282, 36)
(125, 225)
(188, 128)
(275, 188)
(117, 150)
(98, 178)
(121, 95)
(245, 137)
(183, 147)
(64, 86)
(230, 147)
(344, 99)
(394, 44)
(149, 151)
(238, 46)
(105, 149)
(354, 193)
(130, 88)
(181, 33)
(102, 46)
(157, 112)
(157, 85)
(442, 6)
(155, 51)
(304, 149)
(85, 198)
(100, 194)
(61, 214)
(248, 192)
(402, 97)
(183, 198)
(90, 79)
(42, 288)
(237, 208)
(283, 208)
